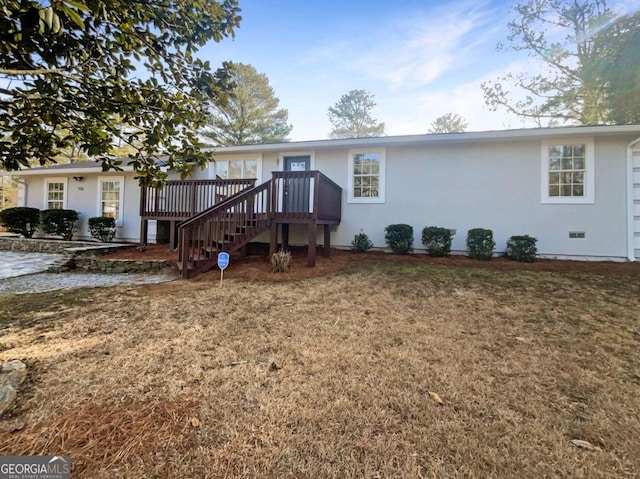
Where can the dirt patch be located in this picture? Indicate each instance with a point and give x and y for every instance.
(256, 265)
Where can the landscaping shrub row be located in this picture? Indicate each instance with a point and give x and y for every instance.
(58, 222)
(437, 242)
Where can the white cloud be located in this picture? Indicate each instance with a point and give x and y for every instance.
(414, 113)
(416, 52)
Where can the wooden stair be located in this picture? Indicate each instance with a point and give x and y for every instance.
(227, 226)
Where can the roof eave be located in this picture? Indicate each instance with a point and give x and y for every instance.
(444, 138)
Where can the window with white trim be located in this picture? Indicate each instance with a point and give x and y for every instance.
(568, 171)
(236, 169)
(55, 194)
(111, 198)
(366, 179)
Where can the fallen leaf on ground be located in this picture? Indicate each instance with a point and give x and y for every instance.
(584, 445)
(436, 397)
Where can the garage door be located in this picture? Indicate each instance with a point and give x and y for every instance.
(636, 203)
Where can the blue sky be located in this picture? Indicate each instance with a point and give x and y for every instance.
(421, 59)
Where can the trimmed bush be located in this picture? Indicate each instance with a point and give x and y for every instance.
(281, 261)
(21, 220)
(361, 243)
(59, 222)
(437, 240)
(399, 238)
(102, 228)
(480, 243)
(522, 248)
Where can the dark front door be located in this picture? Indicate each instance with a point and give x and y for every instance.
(297, 188)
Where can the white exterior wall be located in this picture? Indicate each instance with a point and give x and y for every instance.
(493, 184)
(82, 196)
(483, 185)
(636, 202)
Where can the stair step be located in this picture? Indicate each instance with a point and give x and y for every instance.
(190, 265)
(234, 238)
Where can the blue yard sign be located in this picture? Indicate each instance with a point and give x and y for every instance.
(223, 262)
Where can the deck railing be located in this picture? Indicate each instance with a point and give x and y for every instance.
(186, 198)
(289, 197)
(305, 195)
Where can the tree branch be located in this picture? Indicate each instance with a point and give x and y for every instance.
(38, 71)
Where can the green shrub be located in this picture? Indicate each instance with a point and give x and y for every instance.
(102, 228)
(522, 248)
(399, 238)
(480, 243)
(437, 240)
(21, 220)
(361, 243)
(59, 222)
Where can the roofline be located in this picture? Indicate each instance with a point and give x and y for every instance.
(381, 141)
(66, 171)
(439, 138)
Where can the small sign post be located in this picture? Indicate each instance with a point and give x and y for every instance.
(223, 262)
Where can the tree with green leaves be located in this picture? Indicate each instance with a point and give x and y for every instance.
(351, 116)
(575, 40)
(250, 115)
(448, 123)
(95, 73)
(621, 70)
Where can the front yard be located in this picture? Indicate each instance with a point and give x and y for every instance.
(336, 376)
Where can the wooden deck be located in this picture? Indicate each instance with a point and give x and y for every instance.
(306, 197)
(181, 200)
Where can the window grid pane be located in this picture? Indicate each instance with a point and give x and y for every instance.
(566, 170)
(110, 199)
(55, 195)
(366, 175)
(236, 169)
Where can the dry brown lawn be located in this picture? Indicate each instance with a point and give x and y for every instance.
(331, 376)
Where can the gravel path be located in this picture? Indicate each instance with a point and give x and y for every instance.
(37, 283)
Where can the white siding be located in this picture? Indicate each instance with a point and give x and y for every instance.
(82, 196)
(488, 184)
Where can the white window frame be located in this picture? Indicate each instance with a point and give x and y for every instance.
(381, 176)
(65, 193)
(101, 180)
(589, 180)
(228, 158)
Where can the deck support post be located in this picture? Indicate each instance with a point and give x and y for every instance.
(327, 241)
(285, 236)
(311, 255)
(172, 235)
(273, 238)
(144, 231)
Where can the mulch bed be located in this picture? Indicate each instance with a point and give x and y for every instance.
(256, 265)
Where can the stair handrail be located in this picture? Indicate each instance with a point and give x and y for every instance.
(187, 227)
(238, 196)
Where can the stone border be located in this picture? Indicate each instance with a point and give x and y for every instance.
(104, 265)
(53, 245)
(83, 256)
